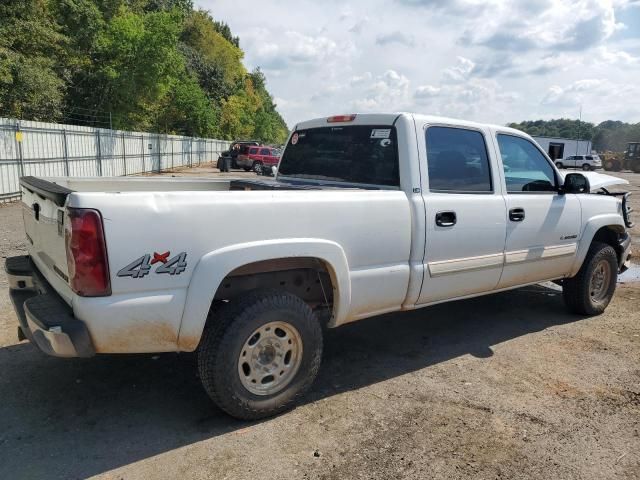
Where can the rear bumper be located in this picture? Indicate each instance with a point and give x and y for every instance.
(45, 318)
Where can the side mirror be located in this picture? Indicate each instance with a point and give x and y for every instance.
(576, 183)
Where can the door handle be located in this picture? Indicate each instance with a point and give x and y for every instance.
(516, 214)
(446, 219)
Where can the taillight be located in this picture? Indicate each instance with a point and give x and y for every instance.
(341, 118)
(87, 253)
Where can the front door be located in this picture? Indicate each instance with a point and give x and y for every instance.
(465, 215)
(543, 226)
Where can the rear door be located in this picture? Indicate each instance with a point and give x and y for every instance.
(465, 213)
(543, 226)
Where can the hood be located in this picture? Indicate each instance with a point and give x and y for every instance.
(599, 180)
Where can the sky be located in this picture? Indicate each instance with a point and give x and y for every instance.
(491, 61)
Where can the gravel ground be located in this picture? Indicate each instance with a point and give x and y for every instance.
(504, 386)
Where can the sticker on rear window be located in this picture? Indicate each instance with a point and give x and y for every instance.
(380, 133)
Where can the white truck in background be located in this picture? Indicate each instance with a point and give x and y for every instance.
(367, 214)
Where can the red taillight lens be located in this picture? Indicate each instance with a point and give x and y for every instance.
(341, 118)
(87, 253)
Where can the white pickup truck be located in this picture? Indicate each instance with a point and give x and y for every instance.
(367, 214)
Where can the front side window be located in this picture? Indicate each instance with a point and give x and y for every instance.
(457, 161)
(525, 167)
(264, 151)
(357, 154)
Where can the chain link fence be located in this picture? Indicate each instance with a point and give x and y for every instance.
(51, 149)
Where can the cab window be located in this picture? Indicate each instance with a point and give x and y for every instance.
(525, 168)
(457, 161)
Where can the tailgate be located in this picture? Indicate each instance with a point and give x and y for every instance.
(44, 221)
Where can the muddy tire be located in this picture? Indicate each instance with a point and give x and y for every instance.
(260, 354)
(591, 290)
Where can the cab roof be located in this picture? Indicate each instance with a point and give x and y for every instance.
(390, 118)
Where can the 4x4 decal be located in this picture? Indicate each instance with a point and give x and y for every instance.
(141, 266)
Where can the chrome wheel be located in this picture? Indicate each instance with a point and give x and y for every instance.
(270, 358)
(257, 168)
(600, 281)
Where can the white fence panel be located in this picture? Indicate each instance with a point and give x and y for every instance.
(50, 149)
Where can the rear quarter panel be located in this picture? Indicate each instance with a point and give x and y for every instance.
(372, 228)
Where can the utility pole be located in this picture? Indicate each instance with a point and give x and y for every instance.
(579, 126)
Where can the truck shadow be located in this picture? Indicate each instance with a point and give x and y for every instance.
(81, 417)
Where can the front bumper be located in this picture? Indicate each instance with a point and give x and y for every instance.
(45, 318)
(625, 252)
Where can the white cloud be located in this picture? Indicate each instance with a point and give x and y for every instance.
(487, 60)
(395, 37)
(460, 72)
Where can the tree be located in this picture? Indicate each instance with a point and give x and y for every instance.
(31, 79)
(154, 65)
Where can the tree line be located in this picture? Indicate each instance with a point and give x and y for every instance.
(146, 65)
(610, 135)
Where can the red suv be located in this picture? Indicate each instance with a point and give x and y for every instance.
(259, 159)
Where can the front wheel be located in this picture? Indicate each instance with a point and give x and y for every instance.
(591, 290)
(260, 354)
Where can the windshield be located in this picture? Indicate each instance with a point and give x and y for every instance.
(364, 154)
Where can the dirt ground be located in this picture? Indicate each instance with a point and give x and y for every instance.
(504, 386)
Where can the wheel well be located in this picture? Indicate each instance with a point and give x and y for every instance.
(610, 235)
(311, 279)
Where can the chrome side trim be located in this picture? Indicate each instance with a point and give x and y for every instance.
(540, 253)
(458, 265)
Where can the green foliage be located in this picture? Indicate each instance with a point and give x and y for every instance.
(609, 135)
(155, 65)
(200, 34)
(31, 81)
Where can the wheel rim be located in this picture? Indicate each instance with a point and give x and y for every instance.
(270, 358)
(600, 281)
(257, 168)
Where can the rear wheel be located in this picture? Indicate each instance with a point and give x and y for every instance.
(257, 167)
(586, 167)
(559, 165)
(591, 290)
(260, 354)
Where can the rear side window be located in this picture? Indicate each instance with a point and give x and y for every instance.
(253, 151)
(264, 151)
(357, 154)
(457, 161)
